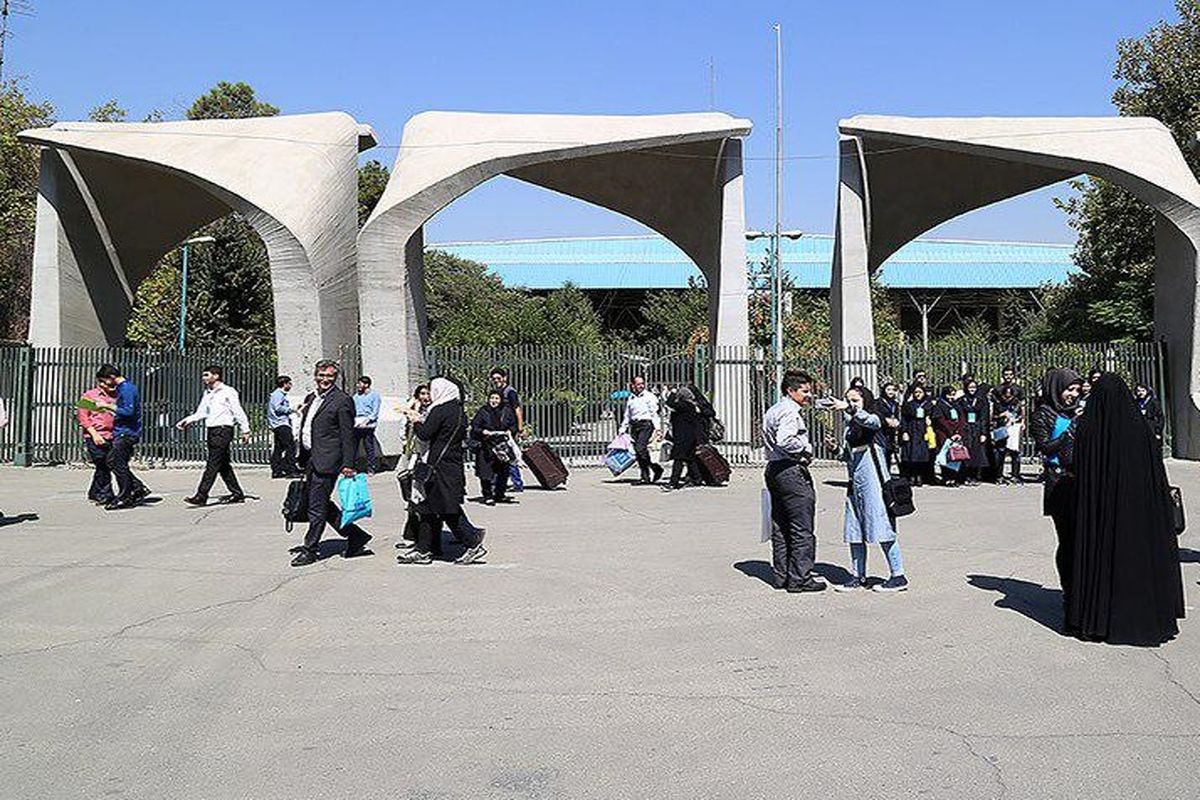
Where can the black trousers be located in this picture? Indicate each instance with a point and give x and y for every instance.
(498, 485)
(1061, 504)
(283, 454)
(793, 508)
(693, 471)
(642, 431)
(101, 488)
(1004, 454)
(220, 437)
(429, 531)
(367, 437)
(322, 510)
(118, 459)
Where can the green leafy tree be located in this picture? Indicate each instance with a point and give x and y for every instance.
(372, 180)
(230, 101)
(1113, 299)
(18, 205)
(109, 111)
(675, 317)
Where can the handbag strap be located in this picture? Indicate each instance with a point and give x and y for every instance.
(457, 427)
(875, 459)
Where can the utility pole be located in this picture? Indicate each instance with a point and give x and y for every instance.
(7, 8)
(776, 261)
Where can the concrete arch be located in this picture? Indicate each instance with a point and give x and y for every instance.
(114, 197)
(679, 174)
(901, 176)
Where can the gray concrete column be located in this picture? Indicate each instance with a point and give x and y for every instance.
(850, 315)
(1177, 323)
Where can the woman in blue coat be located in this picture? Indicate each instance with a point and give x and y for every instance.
(867, 520)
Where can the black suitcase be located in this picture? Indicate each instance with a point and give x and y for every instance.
(545, 464)
(714, 469)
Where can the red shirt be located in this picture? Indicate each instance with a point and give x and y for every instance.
(102, 421)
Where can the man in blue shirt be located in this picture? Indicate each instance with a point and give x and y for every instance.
(127, 431)
(279, 420)
(366, 417)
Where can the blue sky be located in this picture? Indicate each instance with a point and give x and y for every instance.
(384, 61)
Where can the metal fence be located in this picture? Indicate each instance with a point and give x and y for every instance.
(573, 397)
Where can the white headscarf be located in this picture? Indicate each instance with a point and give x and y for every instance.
(442, 391)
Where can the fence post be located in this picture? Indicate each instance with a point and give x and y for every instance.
(23, 457)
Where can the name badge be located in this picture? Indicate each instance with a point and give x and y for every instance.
(954, 414)
(920, 413)
(971, 417)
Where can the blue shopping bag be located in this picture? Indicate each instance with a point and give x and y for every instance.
(354, 497)
(943, 459)
(618, 461)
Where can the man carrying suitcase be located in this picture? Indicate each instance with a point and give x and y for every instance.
(643, 422)
(793, 500)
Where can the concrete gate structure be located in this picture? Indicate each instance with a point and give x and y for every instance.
(901, 176)
(679, 174)
(113, 198)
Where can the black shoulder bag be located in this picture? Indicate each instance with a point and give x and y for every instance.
(423, 470)
(897, 492)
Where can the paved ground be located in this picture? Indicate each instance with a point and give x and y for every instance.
(621, 643)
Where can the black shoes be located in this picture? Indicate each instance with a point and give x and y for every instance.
(196, 500)
(304, 558)
(809, 585)
(356, 545)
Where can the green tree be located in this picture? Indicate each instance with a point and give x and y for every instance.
(675, 317)
(230, 101)
(372, 180)
(1113, 298)
(109, 111)
(18, 204)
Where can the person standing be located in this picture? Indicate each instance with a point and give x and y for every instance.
(1151, 410)
(127, 431)
(1007, 412)
(511, 400)
(644, 423)
(96, 422)
(691, 415)
(976, 429)
(442, 432)
(220, 409)
(866, 519)
(887, 408)
(948, 425)
(366, 419)
(920, 378)
(1008, 380)
(279, 420)
(916, 430)
(491, 428)
(793, 499)
(327, 449)
(1053, 431)
(1128, 587)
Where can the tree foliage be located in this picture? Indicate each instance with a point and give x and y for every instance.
(1113, 298)
(18, 204)
(372, 180)
(230, 101)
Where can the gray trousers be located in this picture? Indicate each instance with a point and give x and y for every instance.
(793, 508)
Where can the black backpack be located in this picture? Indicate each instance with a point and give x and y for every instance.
(295, 504)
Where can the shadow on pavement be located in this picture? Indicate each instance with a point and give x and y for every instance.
(763, 571)
(18, 519)
(1033, 600)
(1189, 556)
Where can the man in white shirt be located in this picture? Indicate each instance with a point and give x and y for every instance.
(643, 422)
(220, 409)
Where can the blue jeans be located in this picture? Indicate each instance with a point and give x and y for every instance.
(891, 551)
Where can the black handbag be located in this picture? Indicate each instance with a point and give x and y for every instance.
(897, 492)
(1177, 509)
(422, 471)
(295, 504)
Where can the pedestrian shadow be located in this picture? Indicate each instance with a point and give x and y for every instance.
(18, 519)
(1189, 556)
(763, 571)
(1032, 600)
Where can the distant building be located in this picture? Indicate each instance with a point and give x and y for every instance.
(939, 282)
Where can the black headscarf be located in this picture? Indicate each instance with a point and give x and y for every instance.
(1128, 587)
(856, 434)
(1054, 383)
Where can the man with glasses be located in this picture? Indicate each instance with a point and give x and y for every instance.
(327, 449)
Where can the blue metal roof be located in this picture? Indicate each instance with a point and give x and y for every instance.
(652, 262)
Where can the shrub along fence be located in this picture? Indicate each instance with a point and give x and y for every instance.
(573, 397)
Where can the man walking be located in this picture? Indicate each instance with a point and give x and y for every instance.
(126, 409)
(279, 420)
(221, 409)
(643, 422)
(327, 448)
(366, 418)
(96, 422)
(793, 500)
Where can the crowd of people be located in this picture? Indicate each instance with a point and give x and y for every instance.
(1100, 446)
(1105, 487)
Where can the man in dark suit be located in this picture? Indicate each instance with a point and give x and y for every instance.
(327, 447)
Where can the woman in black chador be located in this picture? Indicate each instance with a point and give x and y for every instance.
(976, 419)
(916, 420)
(491, 429)
(691, 415)
(1128, 587)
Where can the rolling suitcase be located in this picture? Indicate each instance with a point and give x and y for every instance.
(545, 464)
(714, 469)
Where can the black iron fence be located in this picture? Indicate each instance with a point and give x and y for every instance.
(573, 397)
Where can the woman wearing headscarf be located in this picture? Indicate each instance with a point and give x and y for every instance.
(442, 433)
(491, 428)
(1128, 586)
(916, 421)
(976, 427)
(1053, 431)
(947, 425)
(691, 415)
(1151, 410)
(867, 520)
